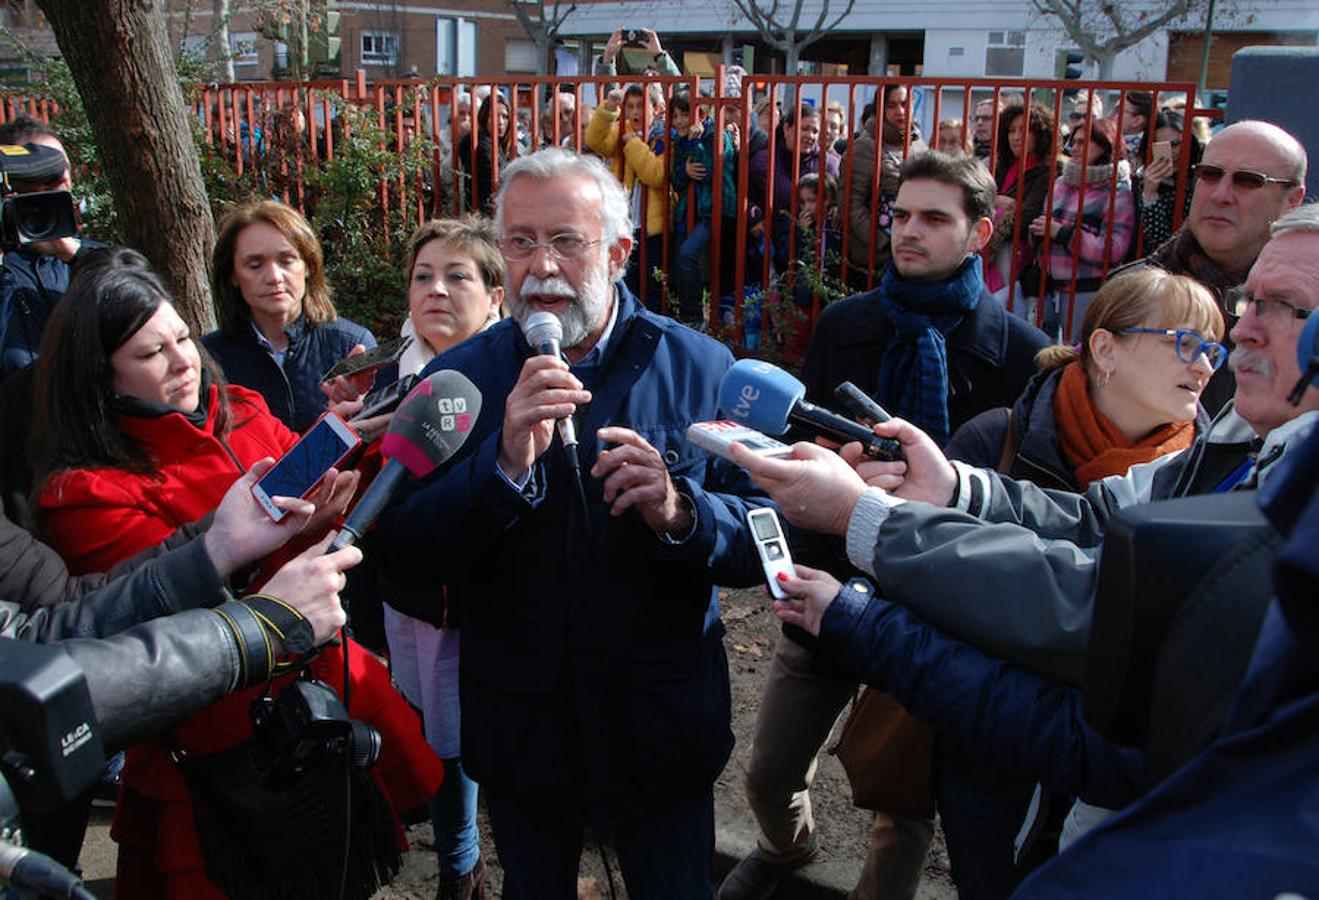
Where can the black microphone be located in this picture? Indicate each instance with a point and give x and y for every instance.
(763, 396)
(544, 332)
(429, 427)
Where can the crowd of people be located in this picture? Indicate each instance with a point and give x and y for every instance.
(551, 615)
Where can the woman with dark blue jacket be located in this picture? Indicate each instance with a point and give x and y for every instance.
(279, 332)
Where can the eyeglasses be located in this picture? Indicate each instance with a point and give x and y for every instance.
(1188, 345)
(1242, 178)
(1239, 301)
(982, 118)
(561, 246)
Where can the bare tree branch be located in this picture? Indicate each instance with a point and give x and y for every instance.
(1101, 30)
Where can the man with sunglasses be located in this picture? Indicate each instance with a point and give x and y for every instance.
(1251, 173)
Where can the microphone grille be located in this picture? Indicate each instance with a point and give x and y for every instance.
(541, 327)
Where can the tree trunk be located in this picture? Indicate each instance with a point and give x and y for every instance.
(1106, 67)
(220, 16)
(790, 68)
(119, 54)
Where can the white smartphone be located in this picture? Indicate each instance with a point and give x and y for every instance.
(772, 547)
(1162, 150)
(323, 446)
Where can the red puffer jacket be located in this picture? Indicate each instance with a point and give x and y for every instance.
(96, 517)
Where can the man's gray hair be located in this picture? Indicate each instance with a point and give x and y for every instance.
(555, 162)
(1303, 219)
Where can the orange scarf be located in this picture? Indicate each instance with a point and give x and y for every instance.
(1092, 445)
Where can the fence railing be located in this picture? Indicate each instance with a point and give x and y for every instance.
(782, 260)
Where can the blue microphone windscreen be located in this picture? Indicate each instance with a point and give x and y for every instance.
(759, 395)
(1307, 348)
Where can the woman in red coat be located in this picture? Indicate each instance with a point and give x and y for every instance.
(137, 435)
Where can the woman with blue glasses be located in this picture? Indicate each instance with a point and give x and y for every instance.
(1126, 393)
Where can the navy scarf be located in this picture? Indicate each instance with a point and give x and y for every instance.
(913, 372)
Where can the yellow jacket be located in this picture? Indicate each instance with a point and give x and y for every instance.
(639, 161)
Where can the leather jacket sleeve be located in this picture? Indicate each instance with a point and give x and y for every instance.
(43, 602)
(156, 674)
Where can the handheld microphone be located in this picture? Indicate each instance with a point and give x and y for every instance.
(1307, 360)
(766, 398)
(429, 427)
(544, 332)
(29, 870)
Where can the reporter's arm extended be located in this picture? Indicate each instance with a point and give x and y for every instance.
(994, 711)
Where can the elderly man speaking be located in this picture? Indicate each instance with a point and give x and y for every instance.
(594, 682)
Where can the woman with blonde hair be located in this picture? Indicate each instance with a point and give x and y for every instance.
(953, 138)
(1127, 392)
(455, 278)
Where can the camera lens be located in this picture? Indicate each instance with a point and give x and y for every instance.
(364, 747)
(37, 221)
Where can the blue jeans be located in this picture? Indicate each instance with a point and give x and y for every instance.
(664, 846)
(688, 271)
(453, 816)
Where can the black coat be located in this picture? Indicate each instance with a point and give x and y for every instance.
(1038, 457)
(292, 391)
(991, 355)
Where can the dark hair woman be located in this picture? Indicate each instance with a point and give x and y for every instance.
(494, 137)
(1026, 161)
(1155, 184)
(1092, 228)
(139, 434)
(279, 331)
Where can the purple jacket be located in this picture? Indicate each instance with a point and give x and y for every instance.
(783, 180)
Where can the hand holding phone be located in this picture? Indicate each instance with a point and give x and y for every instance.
(375, 358)
(772, 548)
(322, 448)
(1162, 150)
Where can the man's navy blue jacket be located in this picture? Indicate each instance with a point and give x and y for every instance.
(592, 660)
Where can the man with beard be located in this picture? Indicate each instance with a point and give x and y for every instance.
(1251, 173)
(927, 343)
(594, 682)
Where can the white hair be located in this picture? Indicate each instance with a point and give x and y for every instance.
(1303, 219)
(555, 162)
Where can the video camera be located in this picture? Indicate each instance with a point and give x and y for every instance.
(28, 216)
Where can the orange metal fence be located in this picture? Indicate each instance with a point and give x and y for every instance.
(275, 131)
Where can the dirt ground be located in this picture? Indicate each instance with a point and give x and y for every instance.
(844, 830)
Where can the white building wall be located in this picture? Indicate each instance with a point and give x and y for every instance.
(974, 20)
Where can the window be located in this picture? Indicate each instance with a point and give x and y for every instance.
(455, 47)
(379, 48)
(1005, 53)
(519, 55)
(193, 47)
(242, 47)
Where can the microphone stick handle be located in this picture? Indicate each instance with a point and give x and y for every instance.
(844, 431)
(372, 504)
